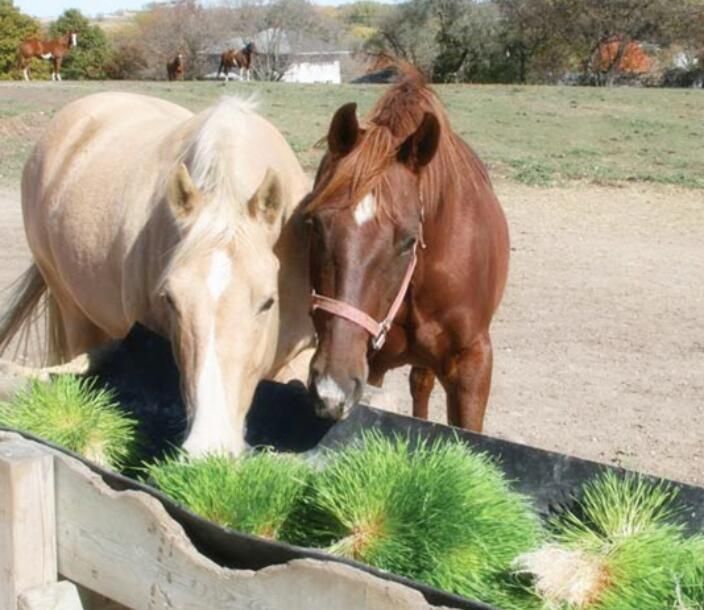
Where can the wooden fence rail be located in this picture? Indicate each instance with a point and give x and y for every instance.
(59, 520)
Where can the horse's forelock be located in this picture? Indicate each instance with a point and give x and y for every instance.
(210, 155)
(394, 118)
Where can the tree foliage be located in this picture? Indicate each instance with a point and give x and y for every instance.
(89, 59)
(15, 27)
(533, 40)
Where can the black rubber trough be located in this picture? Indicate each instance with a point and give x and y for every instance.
(143, 373)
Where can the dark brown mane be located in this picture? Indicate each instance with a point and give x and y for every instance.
(394, 118)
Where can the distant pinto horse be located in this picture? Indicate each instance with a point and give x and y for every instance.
(241, 59)
(54, 50)
(184, 238)
(408, 257)
(176, 68)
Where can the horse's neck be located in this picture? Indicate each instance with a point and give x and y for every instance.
(296, 329)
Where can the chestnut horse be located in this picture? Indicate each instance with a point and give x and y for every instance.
(241, 59)
(409, 257)
(175, 68)
(54, 50)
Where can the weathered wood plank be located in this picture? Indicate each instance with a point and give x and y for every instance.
(55, 596)
(125, 546)
(27, 520)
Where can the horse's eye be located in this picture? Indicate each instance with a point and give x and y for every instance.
(169, 300)
(407, 244)
(267, 305)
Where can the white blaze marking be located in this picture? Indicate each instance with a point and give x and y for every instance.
(329, 391)
(365, 210)
(220, 274)
(74, 40)
(212, 428)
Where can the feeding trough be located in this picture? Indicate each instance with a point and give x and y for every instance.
(282, 416)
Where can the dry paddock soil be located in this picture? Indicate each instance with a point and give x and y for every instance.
(599, 343)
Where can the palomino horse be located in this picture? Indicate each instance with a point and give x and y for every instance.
(53, 50)
(179, 237)
(175, 68)
(241, 59)
(409, 257)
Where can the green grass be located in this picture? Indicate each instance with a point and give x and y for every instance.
(536, 135)
(625, 536)
(74, 413)
(689, 587)
(437, 513)
(254, 494)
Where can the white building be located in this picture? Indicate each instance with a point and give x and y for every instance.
(301, 59)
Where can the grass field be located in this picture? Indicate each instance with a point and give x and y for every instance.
(535, 135)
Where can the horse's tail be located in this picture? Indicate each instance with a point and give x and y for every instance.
(221, 67)
(28, 302)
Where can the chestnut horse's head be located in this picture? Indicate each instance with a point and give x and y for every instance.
(366, 214)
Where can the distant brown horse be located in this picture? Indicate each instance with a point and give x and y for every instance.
(241, 59)
(54, 50)
(408, 257)
(176, 68)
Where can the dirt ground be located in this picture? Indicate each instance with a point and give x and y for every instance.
(599, 344)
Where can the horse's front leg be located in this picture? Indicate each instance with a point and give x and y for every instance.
(467, 381)
(421, 382)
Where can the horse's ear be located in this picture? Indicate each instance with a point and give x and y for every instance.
(420, 147)
(344, 130)
(267, 202)
(184, 197)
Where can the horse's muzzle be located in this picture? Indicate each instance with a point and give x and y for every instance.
(333, 399)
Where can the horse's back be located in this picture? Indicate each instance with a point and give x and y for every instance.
(91, 176)
(105, 131)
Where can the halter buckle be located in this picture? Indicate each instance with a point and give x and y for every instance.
(380, 339)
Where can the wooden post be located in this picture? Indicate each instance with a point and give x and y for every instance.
(27, 520)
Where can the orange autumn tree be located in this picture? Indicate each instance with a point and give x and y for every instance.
(626, 57)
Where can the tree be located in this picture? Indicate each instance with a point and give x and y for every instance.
(90, 58)
(15, 27)
(470, 41)
(410, 33)
(588, 25)
(529, 30)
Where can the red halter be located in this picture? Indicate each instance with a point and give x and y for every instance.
(377, 330)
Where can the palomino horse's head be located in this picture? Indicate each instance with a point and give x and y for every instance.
(218, 294)
(366, 215)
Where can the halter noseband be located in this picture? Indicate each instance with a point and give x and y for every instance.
(377, 330)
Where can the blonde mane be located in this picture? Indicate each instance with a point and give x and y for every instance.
(214, 144)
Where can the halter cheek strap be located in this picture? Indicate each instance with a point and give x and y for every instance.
(377, 330)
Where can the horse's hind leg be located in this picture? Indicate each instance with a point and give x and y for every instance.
(467, 381)
(421, 382)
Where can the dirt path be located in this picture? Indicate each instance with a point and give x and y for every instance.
(599, 345)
